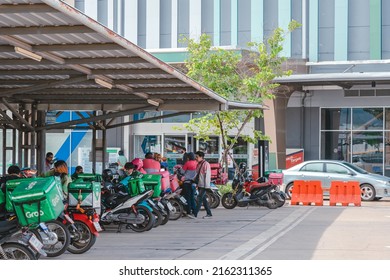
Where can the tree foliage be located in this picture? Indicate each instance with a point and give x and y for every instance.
(231, 76)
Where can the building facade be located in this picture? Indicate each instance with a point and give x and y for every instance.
(323, 112)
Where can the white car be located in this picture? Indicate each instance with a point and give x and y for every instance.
(373, 186)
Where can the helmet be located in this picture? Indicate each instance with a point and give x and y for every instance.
(107, 175)
(242, 166)
(138, 163)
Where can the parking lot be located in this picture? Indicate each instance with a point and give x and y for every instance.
(254, 233)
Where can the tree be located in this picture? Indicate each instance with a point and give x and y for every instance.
(226, 73)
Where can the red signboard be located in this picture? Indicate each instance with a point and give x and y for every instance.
(294, 158)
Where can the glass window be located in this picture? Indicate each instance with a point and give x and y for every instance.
(146, 115)
(367, 151)
(367, 118)
(176, 119)
(335, 118)
(336, 145)
(146, 143)
(313, 167)
(174, 146)
(336, 168)
(210, 147)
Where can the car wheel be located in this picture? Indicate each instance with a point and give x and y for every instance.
(368, 192)
(289, 189)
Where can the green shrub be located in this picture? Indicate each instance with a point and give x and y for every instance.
(225, 188)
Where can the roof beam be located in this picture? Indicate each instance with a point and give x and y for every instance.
(46, 30)
(99, 60)
(95, 118)
(169, 81)
(67, 72)
(42, 86)
(26, 8)
(16, 113)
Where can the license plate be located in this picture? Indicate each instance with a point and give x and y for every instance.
(97, 226)
(43, 227)
(170, 207)
(183, 199)
(160, 205)
(69, 219)
(35, 243)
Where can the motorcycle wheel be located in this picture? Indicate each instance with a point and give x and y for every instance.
(82, 238)
(158, 218)
(229, 201)
(62, 235)
(280, 199)
(166, 215)
(215, 200)
(147, 224)
(271, 203)
(177, 211)
(16, 251)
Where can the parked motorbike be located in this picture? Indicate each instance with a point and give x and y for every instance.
(248, 192)
(54, 235)
(213, 196)
(122, 209)
(83, 225)
(18, 243)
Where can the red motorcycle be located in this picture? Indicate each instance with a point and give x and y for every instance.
(247, 192)
(84, 227)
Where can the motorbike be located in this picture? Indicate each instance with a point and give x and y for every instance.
(18, 243)
(213, 196)
(175, 202)
(83, 225)
(122, 209)
(112, 186)
(54, 235)
(247, 192)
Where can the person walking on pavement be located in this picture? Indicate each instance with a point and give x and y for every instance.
(203, 180)
(189, 173)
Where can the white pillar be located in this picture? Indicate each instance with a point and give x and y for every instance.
(153, 24)
(195, 19)
(131, 20)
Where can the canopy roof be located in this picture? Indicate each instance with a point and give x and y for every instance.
(54, 57)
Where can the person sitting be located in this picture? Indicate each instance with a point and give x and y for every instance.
(13, 172)
(78, 170)
(138, 163)
(61, 170)
(150, 165)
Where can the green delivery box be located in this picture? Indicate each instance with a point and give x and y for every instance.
(88, 193)
(2, 197)
(9, 188)
(136, 186)
(89, 177)
(37, 200)
(153, 182)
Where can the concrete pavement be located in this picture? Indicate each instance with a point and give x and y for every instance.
(286, 233)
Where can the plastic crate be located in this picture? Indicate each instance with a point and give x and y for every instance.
(87, 193)
(37, 200)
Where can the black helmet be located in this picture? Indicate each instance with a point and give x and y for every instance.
(242, 166)
(107, 175)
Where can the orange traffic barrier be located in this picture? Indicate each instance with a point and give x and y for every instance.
(345, 193)
(307, 193)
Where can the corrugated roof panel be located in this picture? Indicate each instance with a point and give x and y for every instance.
(86, 59)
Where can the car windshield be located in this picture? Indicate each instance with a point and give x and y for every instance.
(355, 168)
